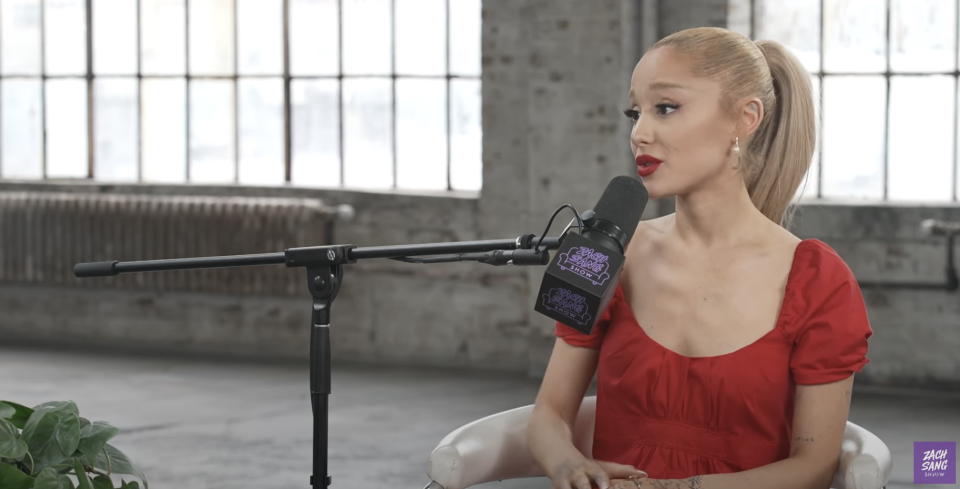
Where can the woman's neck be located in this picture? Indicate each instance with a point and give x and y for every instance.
(718, 218)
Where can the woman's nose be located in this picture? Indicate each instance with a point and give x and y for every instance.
(641, 135)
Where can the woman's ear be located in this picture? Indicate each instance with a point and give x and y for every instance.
(751, 114)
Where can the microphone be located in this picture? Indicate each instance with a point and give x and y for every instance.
(583, 275)
(939, 228)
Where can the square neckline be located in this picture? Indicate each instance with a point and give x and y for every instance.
(776, 327)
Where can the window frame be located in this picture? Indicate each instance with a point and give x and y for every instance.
(887, 74)
(235, 77)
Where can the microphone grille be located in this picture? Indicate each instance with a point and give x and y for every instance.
(622, 204)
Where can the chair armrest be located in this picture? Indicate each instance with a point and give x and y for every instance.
(865, 461)
(495, 448)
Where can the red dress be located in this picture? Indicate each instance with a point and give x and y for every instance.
(675, 416)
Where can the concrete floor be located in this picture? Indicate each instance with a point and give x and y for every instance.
(210, 424)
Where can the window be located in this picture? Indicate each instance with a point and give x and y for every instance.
(888, 74)
(371, 94)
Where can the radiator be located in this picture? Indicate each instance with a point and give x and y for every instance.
(43, 235)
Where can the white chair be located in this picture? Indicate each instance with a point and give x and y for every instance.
(495, 449)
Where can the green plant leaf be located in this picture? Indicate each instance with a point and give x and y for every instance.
(92, 439)
(119, 463)
(129, 485)
(83, 482)
(59, 407)
(42, 435)
(49, 478)
(6, 411)
(68, 434)
(12, 478)
(10, 445)
(23, 413)
(102, 482)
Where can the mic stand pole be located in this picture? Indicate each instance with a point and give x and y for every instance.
(324, 266)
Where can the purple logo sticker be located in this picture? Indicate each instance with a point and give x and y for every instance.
(587, 263)
(934, 462)
(568, 303)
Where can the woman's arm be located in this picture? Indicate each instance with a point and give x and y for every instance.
(564, 383)
(820, 417)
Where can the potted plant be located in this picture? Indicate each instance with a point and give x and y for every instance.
(52, 447)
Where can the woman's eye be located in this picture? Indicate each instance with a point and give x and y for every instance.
(634, 115)
(662, 107)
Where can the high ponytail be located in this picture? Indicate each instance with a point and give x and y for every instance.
(779, 153)
(785, 140)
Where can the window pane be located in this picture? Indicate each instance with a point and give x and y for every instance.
(261, 132)
(20, 37)
(65, 40)
(316, 132)
(116, 129)
(114, 37)
(853, 142)
(212, 158)
(465, 37)
(808, 187)
(794, 24)
(260, 39)
(22, 145)
(314, 37)
(422, 134)
(421, 37)
(164, 131)
(922, 35)
(211, 37)
(367, 35)
(66, 107)
(466, 135)
(163, 37)
(367, 138)
(855, 36)
(921, 139)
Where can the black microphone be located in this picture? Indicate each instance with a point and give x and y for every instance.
(584, 272)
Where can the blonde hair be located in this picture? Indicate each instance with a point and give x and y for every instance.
(777, 156)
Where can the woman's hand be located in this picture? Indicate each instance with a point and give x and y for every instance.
(584, 473)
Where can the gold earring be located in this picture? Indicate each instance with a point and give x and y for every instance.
(736, 151)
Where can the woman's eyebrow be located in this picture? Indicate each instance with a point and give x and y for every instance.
(665, 85)
(661, 85)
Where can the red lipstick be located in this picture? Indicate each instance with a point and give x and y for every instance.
(647, 164)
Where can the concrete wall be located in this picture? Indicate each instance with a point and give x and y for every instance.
(916, 338)
(555, 76)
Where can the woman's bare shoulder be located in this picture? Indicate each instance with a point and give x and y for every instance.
(651, 230)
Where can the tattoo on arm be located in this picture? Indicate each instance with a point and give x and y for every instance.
(802, 438)
(691, 483)
(694, 482)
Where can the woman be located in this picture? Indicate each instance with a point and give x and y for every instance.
(726, 357)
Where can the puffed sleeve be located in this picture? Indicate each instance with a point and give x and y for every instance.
(595, 338)
(830, 341)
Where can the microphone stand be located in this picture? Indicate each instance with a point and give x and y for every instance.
(324, 266)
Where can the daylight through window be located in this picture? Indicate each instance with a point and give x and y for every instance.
(370, 94)
(887, 72)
